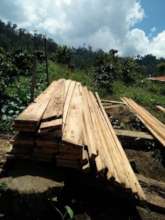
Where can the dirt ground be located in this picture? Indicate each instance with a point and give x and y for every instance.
(33, 190)
(148, 163)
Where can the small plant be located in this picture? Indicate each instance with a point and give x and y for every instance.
(3, 186)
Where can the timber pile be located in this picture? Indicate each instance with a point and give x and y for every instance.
(156, 127)
(68, 123)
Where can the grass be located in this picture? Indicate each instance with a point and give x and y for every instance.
(57, 71)
(148, 94)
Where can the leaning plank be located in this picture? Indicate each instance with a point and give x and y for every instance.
(110, 101)
(118, 172)
(130, 177)
(134, 134)
(55, 107)
(156, 127)
(106, 149)
(160, 108)
(31, 116)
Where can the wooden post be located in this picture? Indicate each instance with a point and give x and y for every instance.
(33, 81)
(46, 61)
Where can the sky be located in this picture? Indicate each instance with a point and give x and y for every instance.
(133, 27)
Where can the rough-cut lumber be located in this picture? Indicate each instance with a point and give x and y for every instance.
(27, 139)
(68, 163)
(156, 127)
(69, 88)
(66, 148)
(130, 177)
(53, 124)
(73, 132)
(106, 157)
(32, 115)
(160, 108)
(134, 134)
(55, 106)
(90, 135)
(110, 101)
(108, 107)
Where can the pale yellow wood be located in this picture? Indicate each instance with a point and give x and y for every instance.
(160, 108)
(69, 88)
(111, 101)
(32, 115)
(107, 150)
(56, 103)
(156, 127)
(131, 178)
(90, 136)
(73, 128)
(134, 134)
(56, 123)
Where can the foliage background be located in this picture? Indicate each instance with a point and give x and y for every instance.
(108, 73)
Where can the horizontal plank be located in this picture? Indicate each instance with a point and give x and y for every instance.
(133, 134)
(53, 124)
(56, 103)
(111, 101)
(31, 116)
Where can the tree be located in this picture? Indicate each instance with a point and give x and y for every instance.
(161, 68)
(149, 62)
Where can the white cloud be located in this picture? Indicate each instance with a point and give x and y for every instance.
(157, 45)
(102, 24)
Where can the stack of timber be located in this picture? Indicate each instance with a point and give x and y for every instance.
(156, 127)
(68, 123)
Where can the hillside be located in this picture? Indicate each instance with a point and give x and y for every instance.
(111, 75)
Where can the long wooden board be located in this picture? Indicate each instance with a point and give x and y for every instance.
(156, 127)
(53, 124)
(54, 109)
(134, 134)
(130, 178)
(73, 129)
(89, 132)
(69, 89)
(30, 118)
